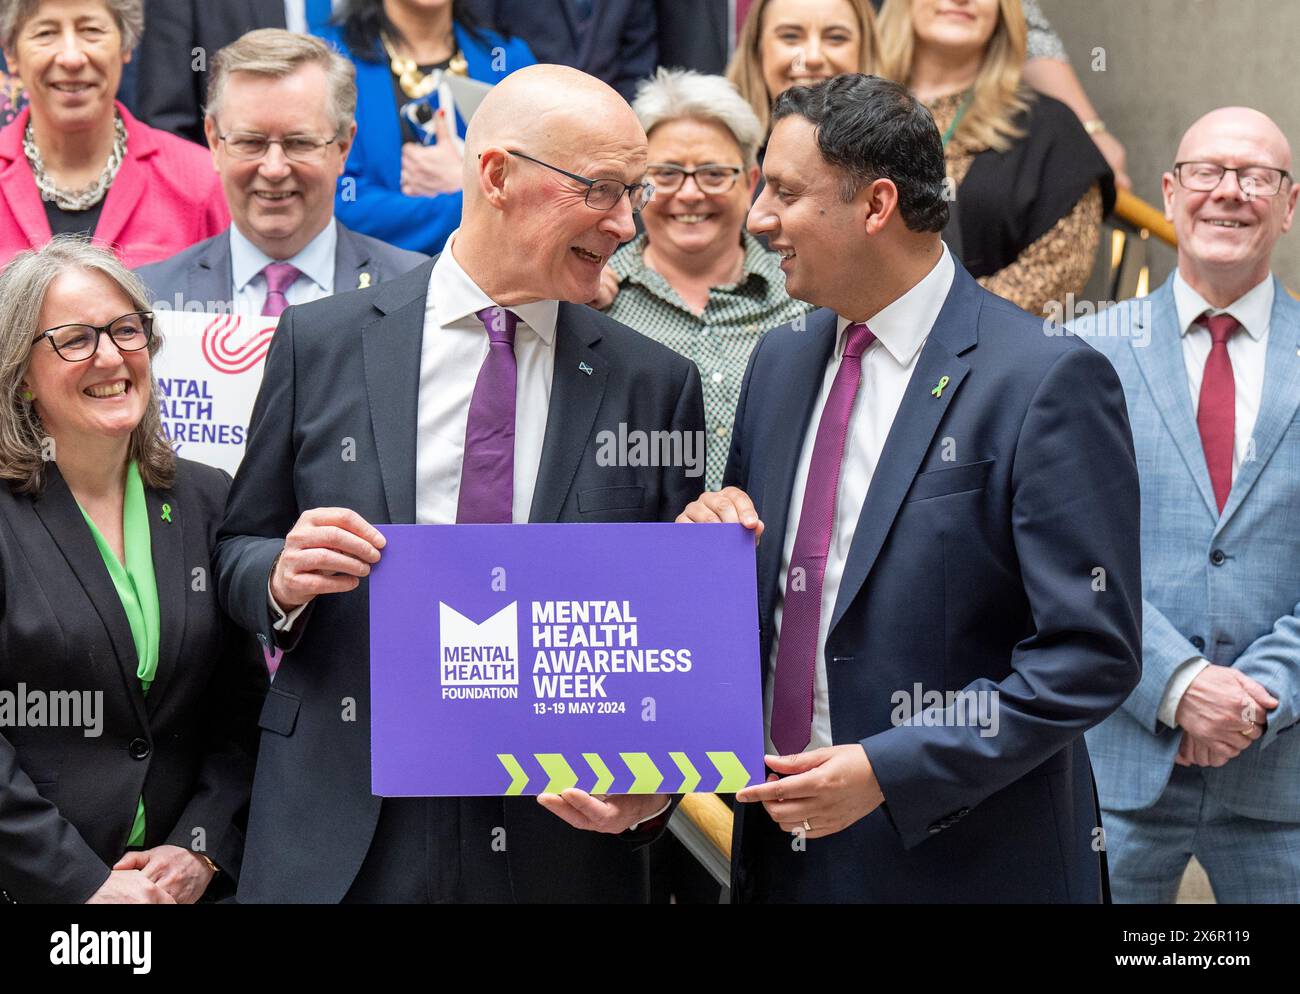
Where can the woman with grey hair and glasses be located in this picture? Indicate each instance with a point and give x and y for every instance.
(696, 280)
(128, 700)
(75, 161)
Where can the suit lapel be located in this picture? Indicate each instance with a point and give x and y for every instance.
(215, 277)
(918, 417)
(390, 346)
(1281, 397)
(19, 186)
(167, 542)
(1165, 372)
(352, 263)
(57, 508)
(128, 186)
(803, 373)
(577, 388)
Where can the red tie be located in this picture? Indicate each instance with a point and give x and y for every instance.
(1216, 413)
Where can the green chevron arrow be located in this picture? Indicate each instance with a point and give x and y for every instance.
(604, 779)
(559, 770)
(648, 777)
(734, 774)
(690, 775)
(518, 778)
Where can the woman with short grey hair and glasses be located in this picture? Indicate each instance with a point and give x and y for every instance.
(128, 700)
(696, 280)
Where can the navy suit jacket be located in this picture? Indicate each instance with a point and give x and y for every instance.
(619, 44)
(203, 272)
(974, 567)
(349, 368)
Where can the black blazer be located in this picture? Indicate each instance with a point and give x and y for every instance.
(67, 801)
(619, 45)
(171, 93)
(346, 372)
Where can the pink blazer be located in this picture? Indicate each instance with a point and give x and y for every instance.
(166, 196)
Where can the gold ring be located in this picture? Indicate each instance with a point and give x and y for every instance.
(806, 826)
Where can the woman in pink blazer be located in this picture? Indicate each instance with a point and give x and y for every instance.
(76, 161)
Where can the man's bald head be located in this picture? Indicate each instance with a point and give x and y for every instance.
(527, 230)
(549, 111)
(1230, 199)
(1230, 129)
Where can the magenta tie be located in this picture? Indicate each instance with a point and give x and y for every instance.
(279, 277)
(796, 655)
(1216, 411)
(487, 476)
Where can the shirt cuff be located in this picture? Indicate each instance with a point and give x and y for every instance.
(284, 622)
(1177, 687)
(667, 805)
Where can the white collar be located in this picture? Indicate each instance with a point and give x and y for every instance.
(904, 325)
(315, 261)
(454, 296)
(1253, 309)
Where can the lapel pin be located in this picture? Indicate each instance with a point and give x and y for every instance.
(938, 388)
(364, 282)
(585, 368)
(167, 513)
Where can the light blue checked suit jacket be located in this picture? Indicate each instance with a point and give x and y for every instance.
(1244, 612)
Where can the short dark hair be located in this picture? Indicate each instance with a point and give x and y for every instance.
(871, 128)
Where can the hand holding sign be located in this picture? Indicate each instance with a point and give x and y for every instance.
(326, 552)
(729, 505)
(597, 813)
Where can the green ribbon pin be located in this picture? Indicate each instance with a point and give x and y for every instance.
(167, 513)
(938, 389)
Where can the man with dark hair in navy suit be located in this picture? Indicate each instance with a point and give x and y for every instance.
(949, 582)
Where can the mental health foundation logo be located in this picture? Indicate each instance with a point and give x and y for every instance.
(479, 661)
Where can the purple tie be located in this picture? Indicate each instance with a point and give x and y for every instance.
(279, 277)
(487, 476)
(796, 655)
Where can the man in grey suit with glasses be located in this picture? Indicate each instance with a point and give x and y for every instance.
(280, 125)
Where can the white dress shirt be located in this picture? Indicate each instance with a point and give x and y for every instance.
(887, 365)
(454, 347)
(315, 262)
(295, 14)
(452, 350)
(1247, 350)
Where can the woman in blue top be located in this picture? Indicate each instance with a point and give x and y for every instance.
(413, 58)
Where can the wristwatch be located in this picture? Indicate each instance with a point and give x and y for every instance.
(211, 865)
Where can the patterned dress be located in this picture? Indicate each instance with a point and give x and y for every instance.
(719, 340)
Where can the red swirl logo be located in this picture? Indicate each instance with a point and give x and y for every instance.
(225, 357)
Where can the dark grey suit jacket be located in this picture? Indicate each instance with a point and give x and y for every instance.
(346, 373)
(202, 272)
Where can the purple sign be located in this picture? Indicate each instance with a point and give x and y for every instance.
(525, 659)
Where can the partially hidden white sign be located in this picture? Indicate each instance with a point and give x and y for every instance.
(209, 370)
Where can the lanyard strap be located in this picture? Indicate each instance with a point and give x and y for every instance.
(961, 112)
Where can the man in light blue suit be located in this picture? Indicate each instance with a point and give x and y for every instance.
(1203, 758)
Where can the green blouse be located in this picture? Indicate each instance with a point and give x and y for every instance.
(137, 589)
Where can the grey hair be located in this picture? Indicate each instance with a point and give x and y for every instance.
(276, 53)
(129, 15)
(673, 94)
(23, 287)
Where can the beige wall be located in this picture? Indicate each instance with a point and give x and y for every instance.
(1169, 61)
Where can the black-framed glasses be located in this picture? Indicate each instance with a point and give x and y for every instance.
(299, 148)
(712, 177)
(78, 342)
(1255, 181)
(602, 194)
